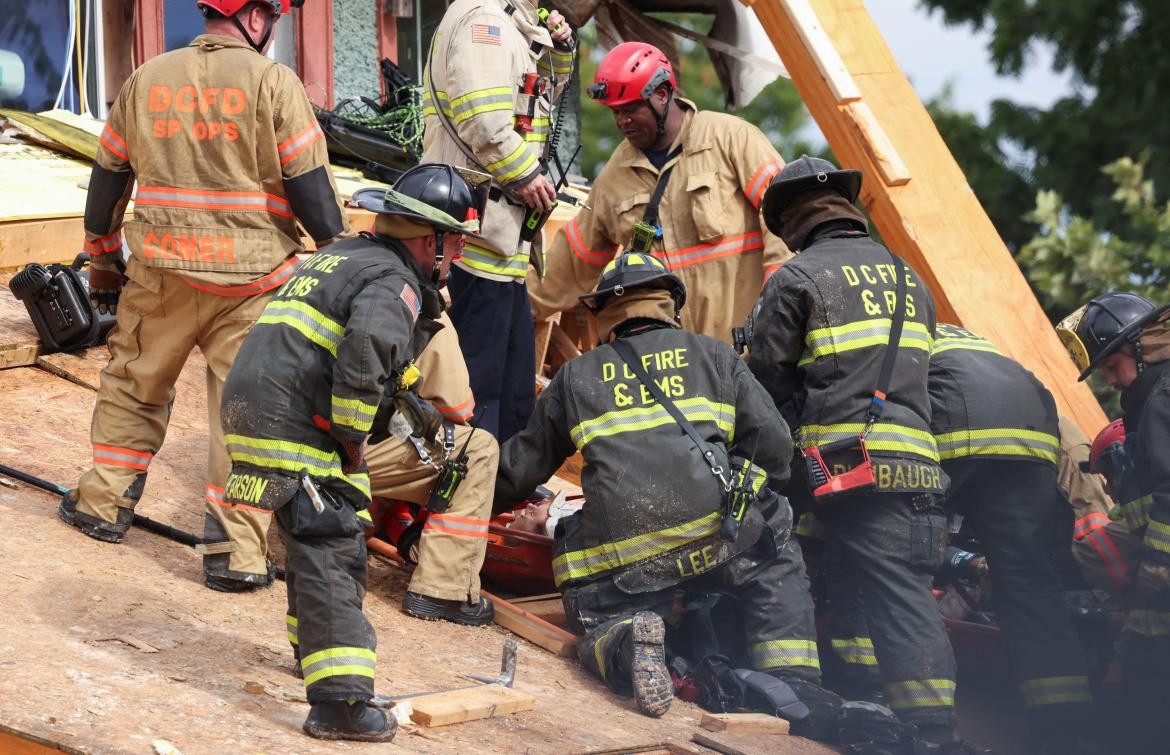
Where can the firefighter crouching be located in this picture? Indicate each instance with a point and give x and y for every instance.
(308, 388)
(656, 516)
(821, 342)
(1128, 339)
(998, 438)
(445, 583)
(227, 156)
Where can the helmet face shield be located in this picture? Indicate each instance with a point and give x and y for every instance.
(1066, 329)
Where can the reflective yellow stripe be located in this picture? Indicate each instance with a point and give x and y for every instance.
(290, 622)
(429, 106)
(809, 526)
(600, 558)
(292, 457)
(562, 62)
(1136, 512)
(999, 441)
(599, 646)
(1149, 623)
(836, 339)
(354, 413)
(1056, 690)
(338, 661)
(1157, 536)
(488, 100)
(921, 693)
(857, 650)
(884, 436)
(697, 409)
(970, 344)
(514, 165)
(779, 653)
(491, 261)
(306, 320)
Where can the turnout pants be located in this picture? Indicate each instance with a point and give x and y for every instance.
(1015, 509)
(887, 547)
(326, 578)
(453, 543)
(1145, 675)
(774, 601)
(161, 318)
(497, 337)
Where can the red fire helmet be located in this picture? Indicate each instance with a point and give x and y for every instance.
(232, 7)
(631, 72)
(1108, 442)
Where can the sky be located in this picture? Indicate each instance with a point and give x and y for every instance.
(932, 54)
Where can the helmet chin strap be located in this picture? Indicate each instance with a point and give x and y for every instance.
(660, 118)
(437, 266)
(258, 47)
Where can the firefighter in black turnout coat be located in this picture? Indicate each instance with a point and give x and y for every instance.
(307, 389)
(654, 509)
(818, 342)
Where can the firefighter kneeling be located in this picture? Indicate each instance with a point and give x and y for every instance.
(672, 501)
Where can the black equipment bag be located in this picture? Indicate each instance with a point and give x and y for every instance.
(57, 298)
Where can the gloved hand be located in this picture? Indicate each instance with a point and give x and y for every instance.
(1152, 578)
(105, 283)
(424, 419)
(353, 454)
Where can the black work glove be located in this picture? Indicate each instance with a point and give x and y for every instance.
(105, 283)
(352, 452)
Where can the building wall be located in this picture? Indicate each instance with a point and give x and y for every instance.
(355, 49)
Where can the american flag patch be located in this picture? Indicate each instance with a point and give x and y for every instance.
(410, 299)
(485, 34)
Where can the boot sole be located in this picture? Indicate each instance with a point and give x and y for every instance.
(69, 518)
(321, 732)
(653, 690)
(431, 612)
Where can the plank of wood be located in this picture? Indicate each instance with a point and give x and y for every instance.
(457, 706)
(16, 742)
(533, 628)
(712, 743)
(933, 220)
(551, 610)
(744, 722)
(18, 336)
(17, 355)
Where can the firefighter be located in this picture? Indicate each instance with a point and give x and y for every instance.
(712, 169)
(1128, 339)
(492, 72)
(227, 156)
(655, 505)
(445, 583)
(327, 363)
(819, 343)
(998, 439)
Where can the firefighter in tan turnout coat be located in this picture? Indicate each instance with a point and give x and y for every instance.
(227, 156)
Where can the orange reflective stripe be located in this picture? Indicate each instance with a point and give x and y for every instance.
(457, 525)
(275, 279)
(295, 145)
(1088, 523)
(1110, 556)
(693, 255)
(104, 244)
(114, 143)
(769, 270)
(121, 457)
(460, 413)
(214, 495)
(754, 191)
(196, 199)
(577, 244)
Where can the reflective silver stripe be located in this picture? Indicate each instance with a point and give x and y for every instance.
(290, 623)
(1056, 690)
(856, 650)
(144, 196)
(340, 661)
(746, 243)
(1004, 441)
(491, 261)
(484, 101)
(777, 653)
(1157, 536)
(309, 321)
(290, 147)
(599, 558)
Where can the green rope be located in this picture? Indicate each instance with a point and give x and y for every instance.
(402, 124)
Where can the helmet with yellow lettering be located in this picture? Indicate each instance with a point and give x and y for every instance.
(631, 271)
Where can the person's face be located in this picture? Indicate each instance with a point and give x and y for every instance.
(452, 249)
(636, 121)
(1119, 370)
(532, 517)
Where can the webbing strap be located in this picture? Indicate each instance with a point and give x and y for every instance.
(878, 404)
(650, 216)
(627, 354)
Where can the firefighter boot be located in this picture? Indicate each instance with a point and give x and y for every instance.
(458, 611)
(244, 583)
(353, 721)
(653, 690)
(98, 529)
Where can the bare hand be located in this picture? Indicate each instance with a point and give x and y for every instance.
(559, 29)
(539, 193)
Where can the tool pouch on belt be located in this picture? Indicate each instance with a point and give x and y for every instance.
(843, 467)
(300, 516)
(57, 299)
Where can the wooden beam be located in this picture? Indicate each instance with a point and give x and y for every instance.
(457, 706)
(933, 219)
(149, 32)
(748, 723)
(533, 628)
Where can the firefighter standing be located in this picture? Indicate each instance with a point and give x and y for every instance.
(308, 388)
(653, 515)
(1128, 339)
(227, 156)
(715, 168)
(479, 96)
(998, 439)
(818, 344)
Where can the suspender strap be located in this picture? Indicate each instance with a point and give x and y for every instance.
(627, 354)
(878, 404)
(650, 216)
